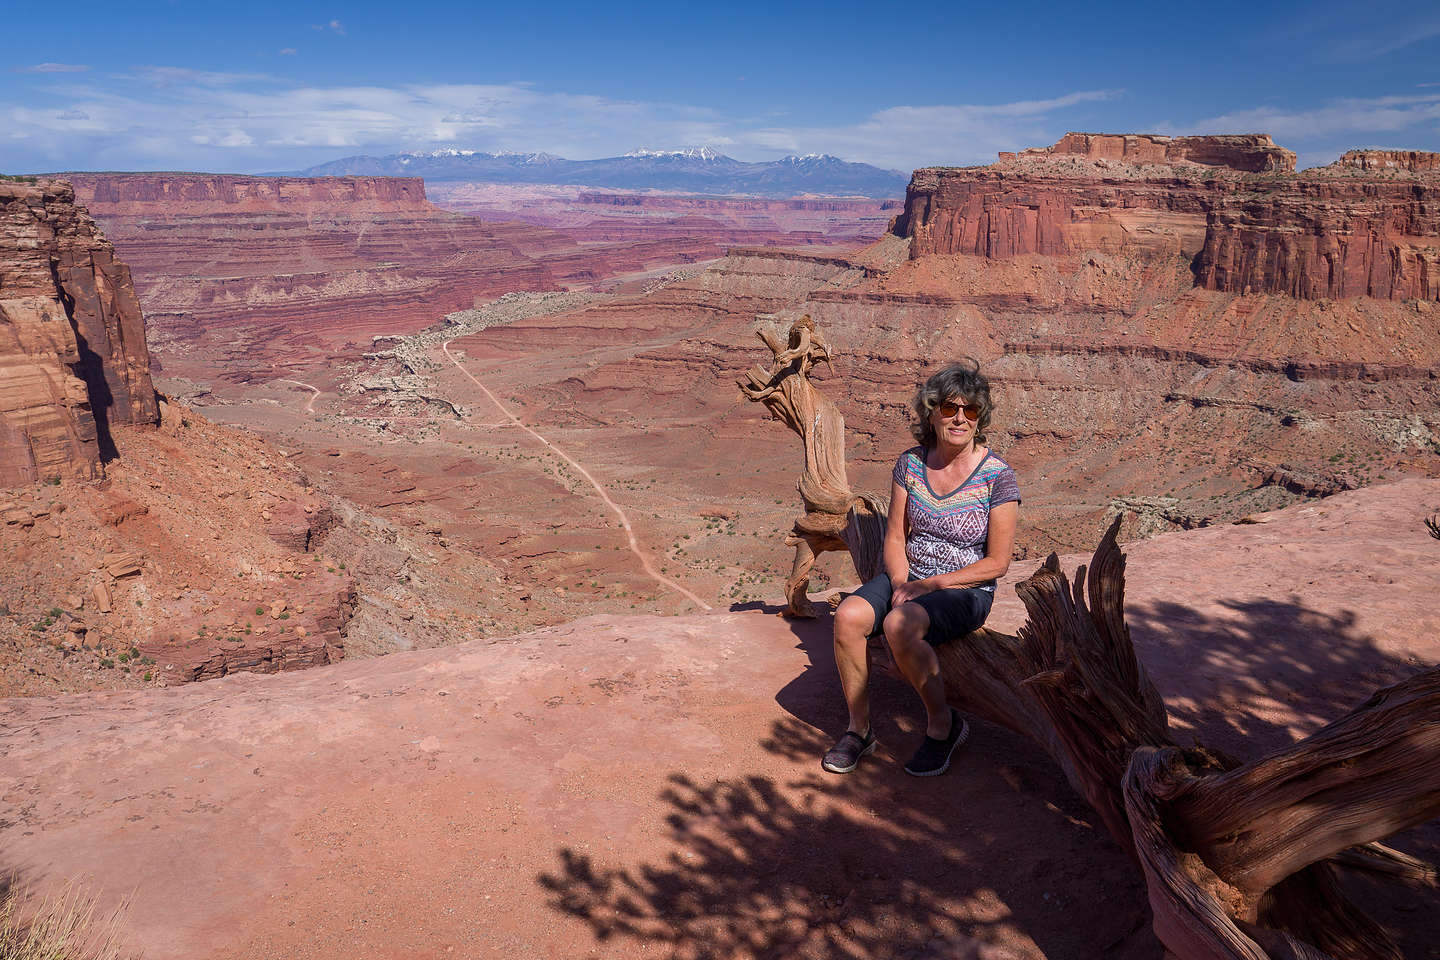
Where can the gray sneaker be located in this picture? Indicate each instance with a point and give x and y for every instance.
(845, 755)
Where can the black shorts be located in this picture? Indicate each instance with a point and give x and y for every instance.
(953, 613)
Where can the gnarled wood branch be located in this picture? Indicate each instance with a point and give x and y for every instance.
(1240, 860)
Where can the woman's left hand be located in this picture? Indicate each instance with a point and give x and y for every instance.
(912, 589)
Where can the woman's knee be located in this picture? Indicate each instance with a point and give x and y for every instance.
(854, 616)
(906, 624)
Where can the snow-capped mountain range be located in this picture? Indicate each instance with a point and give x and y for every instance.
(701, 170)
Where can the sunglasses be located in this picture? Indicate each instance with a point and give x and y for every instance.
(950, 409)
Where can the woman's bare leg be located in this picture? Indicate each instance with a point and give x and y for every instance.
(854, 620)
(905, 628)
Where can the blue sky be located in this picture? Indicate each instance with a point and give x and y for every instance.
(274, 86)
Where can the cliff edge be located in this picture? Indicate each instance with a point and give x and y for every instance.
(73, 357)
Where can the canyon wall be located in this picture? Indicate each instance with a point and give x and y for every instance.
(138, 194)
(1409, 161)
(1004, 211)
(1325, 235)
(73, 354)
(1365, 226)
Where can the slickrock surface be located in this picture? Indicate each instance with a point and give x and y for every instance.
(639, 785)
(73, 356)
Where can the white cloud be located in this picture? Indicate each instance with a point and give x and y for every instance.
(289, 52)
(184, 76)
(54, 68)
(907, 137)
(253, 122)
(1353, 118)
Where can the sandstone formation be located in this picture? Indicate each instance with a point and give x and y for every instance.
(73, 355)
(1352, 229)
(1408, 161)
(244, 276)
(1319, 236)
(199, 555)
(1124, 385)
(1254, 153)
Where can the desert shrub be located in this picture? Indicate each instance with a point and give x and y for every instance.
(62, 926)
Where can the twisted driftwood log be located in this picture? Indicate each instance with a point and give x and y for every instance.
(1240, 860)
(834, 517)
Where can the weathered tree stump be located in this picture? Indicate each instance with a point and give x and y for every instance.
(1240, 860)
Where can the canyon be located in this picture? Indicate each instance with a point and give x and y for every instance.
(1129, 380)
(246, 276)
(384, 426)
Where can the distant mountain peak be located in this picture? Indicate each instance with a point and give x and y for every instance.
(695, 169)
(689, 153)
(410, 156)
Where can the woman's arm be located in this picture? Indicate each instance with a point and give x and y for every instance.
(892, 556)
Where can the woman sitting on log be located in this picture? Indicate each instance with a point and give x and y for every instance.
(951, 527)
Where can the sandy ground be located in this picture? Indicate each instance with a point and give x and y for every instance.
(624, 786)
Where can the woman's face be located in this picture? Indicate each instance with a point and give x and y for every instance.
(952, 423)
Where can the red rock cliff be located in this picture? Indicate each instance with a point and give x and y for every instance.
(1410, 161)
(1323, 235)
(73, 357)
(133, 194)
(1368, 225)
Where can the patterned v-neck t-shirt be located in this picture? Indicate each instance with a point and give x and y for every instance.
(949, 532)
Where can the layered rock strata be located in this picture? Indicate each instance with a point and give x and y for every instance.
(1353, 229)
(1408, 161)
(240, 266)
(73, 354)
(691, 224)
(1319, 236)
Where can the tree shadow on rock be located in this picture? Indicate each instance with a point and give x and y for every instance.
(876, 864)
(1263, 674)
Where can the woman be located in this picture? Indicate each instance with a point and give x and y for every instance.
(951, 527)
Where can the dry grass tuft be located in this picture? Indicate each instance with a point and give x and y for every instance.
(64, 925)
